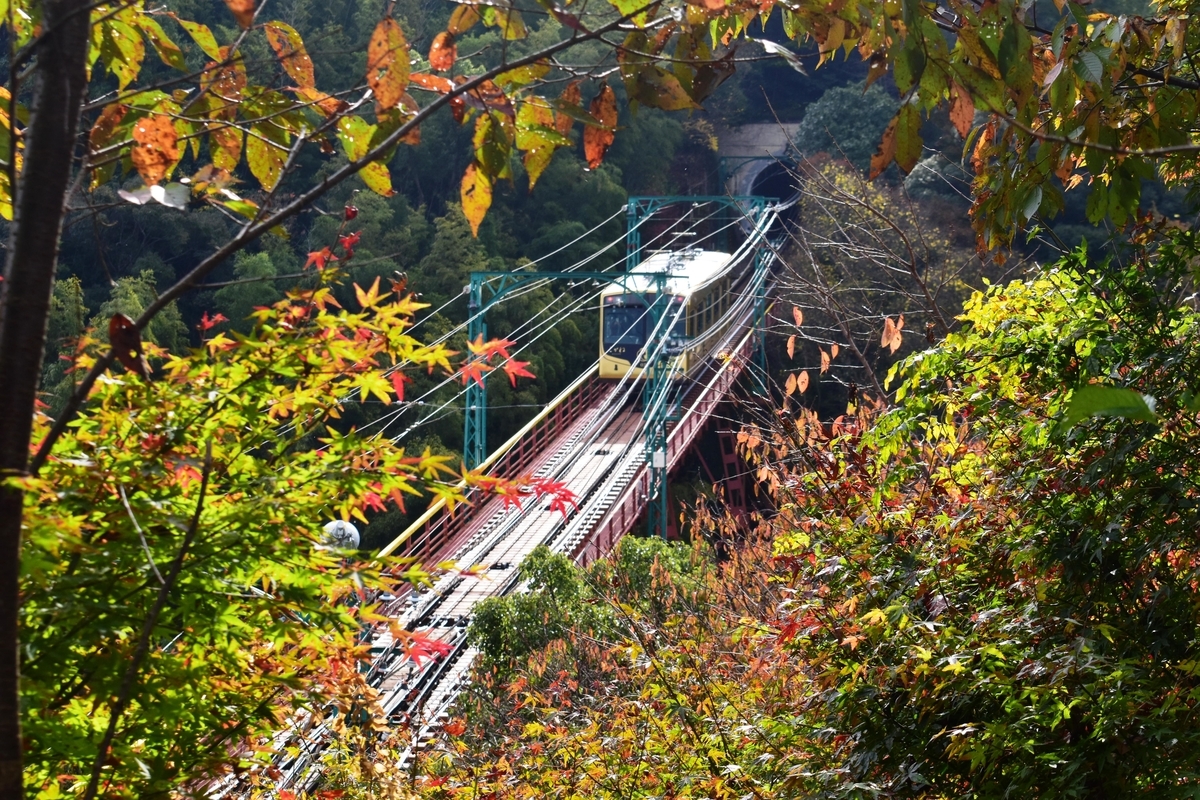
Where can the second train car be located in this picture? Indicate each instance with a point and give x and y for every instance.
(699, 280)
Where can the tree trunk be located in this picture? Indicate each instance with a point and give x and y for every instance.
(60, 86)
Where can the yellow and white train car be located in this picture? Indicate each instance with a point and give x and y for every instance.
(699, 280)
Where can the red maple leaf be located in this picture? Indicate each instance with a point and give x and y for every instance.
(562, 499)
(207, 322)
(474, 370)
(398, 381)
(320, 258)
(516, 369)
(418, 646)
(485, 350)
(372, 500)
(348, 242)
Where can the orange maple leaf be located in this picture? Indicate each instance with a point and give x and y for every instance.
(486, 350)
(516, 369)
(474, 370)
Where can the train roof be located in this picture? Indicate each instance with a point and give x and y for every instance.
(689, 270)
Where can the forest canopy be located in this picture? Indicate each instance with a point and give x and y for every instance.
(231, 310)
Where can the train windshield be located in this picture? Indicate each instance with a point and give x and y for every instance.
(624, 325)
(679, 314)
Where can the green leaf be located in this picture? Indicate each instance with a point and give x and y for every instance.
(1033, 201)
(244, 207)
(908, 137)
(909, 66)
(265, 157)
(202, 36)
(1010, 47)
(122, 49)
(1089, 67)
(355, 135)
(1108, 401)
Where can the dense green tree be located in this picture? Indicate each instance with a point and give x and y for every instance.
(453, 256)
(251, 288)
(67, 323)
(131, 296)
(827, 126)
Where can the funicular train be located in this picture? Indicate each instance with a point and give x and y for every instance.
(703, 281)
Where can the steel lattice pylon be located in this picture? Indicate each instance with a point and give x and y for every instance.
(488, 287)
(497, 284)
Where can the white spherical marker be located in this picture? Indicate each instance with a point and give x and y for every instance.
(341, 534)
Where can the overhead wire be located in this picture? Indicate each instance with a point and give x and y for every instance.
(669, 320)
(437, 414)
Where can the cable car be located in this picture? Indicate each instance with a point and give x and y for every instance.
(698, 280)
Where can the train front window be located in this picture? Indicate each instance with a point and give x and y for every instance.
(679, 314)
(624, 326)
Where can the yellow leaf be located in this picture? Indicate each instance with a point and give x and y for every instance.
(790, 386)
(791, 347)
(476, 193)
(802, 382)
(367, 299)
(377, 178)
(824, 361)
(798, 315)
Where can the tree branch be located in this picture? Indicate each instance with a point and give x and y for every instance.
(256, 228)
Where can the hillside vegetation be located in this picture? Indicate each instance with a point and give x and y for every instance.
(232, 310)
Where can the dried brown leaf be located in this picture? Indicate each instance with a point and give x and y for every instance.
(596, 140)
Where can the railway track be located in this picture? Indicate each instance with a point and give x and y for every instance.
(601, 457)
(606, 438)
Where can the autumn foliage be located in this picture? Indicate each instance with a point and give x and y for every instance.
(175, 587)
(985, 589)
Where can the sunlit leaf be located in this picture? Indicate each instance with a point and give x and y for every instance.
(476, 195)
(155, 150)
(1108, 401)
(443, 52)
(387, 63)
(598, 138)
(464, 17)
(265, 156)
(203, 37)
(167, 50)
(289, 48)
